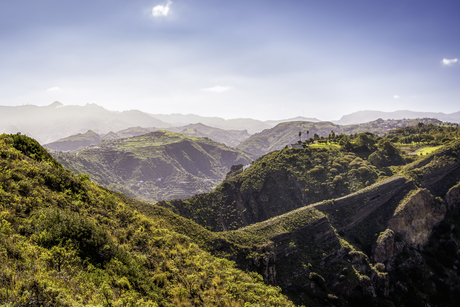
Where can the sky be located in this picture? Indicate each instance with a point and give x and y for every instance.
(233, 59)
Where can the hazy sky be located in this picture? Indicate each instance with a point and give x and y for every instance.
(260, 59)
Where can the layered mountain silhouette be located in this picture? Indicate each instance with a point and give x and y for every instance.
(367, 116)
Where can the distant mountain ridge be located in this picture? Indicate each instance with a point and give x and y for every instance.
(81, 140)
(49, 123)
(370, 115)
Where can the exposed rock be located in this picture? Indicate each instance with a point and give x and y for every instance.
(384, 250)
(266, 264)
(416, 217)
(452, 197)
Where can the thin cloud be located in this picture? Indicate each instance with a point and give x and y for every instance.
(54, 89)
(161, 10)
(217, 89)
(449, 61)
(395, 96)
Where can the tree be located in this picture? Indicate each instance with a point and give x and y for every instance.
(365, 141)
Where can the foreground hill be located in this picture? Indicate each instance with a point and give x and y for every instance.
(157, 165)
(393, 243)
(65, 241)
(287, 179)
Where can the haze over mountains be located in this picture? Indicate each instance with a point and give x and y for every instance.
(369, 115)
(352, 219)
(55, 121)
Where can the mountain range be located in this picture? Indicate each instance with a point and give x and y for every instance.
(367, 116)
(359, 224)
(56, 121)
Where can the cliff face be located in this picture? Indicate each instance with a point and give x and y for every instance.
(412, 222)
(452, 197)
(395, 242)
(415, 218)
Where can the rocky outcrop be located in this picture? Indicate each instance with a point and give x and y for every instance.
(413, 222)
(452, 197)
(385, 248)
(415, 218)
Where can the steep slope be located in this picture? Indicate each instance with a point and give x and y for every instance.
(394, 243)
(157, 165)
(281, 181)
(66, 242)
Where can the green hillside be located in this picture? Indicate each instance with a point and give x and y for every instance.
(154, 166)
(285, 134)
(287, 179)
(392, 243)
(65, 241)
(81, 140)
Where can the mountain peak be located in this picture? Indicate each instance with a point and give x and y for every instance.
(55, 104)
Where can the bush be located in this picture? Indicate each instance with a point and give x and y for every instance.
(54, 227)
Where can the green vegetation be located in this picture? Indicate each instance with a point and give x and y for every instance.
(426, 150)
(82, 140)
(281, 135)
(65, 241)
(287, 179)
(157, 165)
(288, 133)
(308, 220)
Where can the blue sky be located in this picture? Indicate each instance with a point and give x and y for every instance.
(260, 59)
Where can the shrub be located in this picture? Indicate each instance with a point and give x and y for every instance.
(54, 227)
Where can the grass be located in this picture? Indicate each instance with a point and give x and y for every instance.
(328, 146)
(427, 150)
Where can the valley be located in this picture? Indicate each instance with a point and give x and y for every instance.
(341, 219)
(229, 154)
(155, 166)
